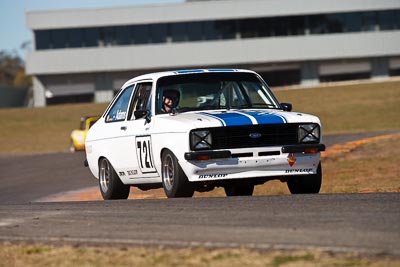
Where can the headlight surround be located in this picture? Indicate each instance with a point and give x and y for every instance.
(309, 133)
(200, 140)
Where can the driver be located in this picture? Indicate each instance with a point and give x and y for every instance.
(170, 100)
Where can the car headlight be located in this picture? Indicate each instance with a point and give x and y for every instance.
(309, 133)
(200, 139)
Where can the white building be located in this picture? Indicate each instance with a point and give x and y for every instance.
(87, 54)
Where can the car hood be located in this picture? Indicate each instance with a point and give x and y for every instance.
(212, 118)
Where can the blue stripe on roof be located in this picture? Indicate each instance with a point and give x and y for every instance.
(189, 71)
(221, 70)
(203, 70)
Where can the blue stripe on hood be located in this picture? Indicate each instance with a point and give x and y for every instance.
(230, 119)
(264, 117)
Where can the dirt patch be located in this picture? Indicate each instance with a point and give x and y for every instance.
(368, 165)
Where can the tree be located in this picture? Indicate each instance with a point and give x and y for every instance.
(12, 71)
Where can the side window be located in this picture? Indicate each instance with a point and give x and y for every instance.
(141, 98)
(119, 110)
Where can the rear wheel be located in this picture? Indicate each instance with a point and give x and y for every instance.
(239, 189)
(174, 180)
(110, 185)
(308, 184)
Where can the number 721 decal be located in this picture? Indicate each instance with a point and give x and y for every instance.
(144, 154)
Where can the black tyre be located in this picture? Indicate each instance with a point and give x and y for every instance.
(174, 180)
(239, 189)
(110, 185)
(308, 184)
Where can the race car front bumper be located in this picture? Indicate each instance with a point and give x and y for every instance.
(252, 163)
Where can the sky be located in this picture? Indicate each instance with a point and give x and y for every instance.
(13, 29)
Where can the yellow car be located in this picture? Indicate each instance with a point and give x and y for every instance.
(78, 136)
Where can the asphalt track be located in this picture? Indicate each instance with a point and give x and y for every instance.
(367, 223)
(364, 223)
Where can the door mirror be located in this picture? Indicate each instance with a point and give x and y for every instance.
(139, 114)
(286, 106)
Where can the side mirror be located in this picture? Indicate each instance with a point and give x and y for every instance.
(286, 106)
(139, 114)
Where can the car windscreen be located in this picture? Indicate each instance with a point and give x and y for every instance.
(205, 91)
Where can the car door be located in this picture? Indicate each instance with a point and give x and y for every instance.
(139, 128)
(116, 140)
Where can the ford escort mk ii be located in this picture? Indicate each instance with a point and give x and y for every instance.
(194, 130)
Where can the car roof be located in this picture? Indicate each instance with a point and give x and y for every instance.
(156, 75)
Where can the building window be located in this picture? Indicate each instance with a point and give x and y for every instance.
(141, 34)
(368, 21)
(345, 77)
(296, 25)
(159, 33)
(226, 29)
(123, 35)
(354, 22)
(336, 23)
(265, 27)
(91, 37)
(42, 40)
(194, 31)
(389, 20)
(59, 38)
(218, 29)
(282, 77)
(178, 32)
(210, 31)
(107, 36)
(249, 28)
(75, 38)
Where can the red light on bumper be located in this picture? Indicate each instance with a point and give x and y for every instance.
(202, 157)
(207, 155)
(311, 150)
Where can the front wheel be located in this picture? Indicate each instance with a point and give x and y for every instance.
(110, 185)
(174, 180)
(308, 184)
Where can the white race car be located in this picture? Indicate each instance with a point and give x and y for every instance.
(194, 130)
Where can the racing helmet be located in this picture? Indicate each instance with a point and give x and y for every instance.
(172, 94)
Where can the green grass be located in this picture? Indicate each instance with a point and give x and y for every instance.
(30, 130)
(342, 109)
(350, 108)
(64, 256)
(285, 259)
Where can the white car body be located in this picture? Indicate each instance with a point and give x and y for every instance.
(134, 147)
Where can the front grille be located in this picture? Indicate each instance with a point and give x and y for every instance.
(267, 135)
